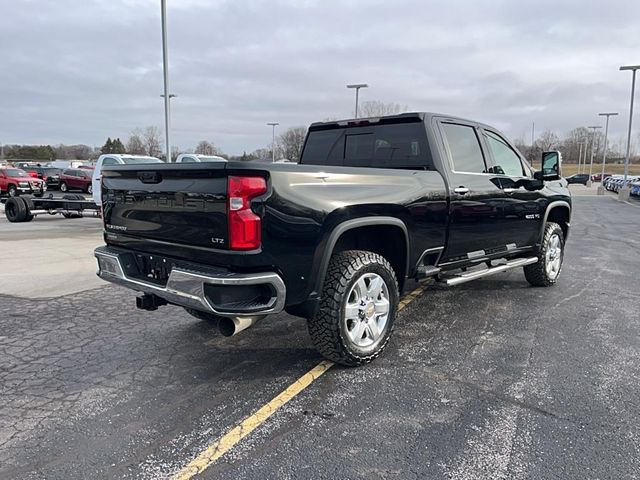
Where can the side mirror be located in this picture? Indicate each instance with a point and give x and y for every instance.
(551, 161)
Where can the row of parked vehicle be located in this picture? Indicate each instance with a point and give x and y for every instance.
(615, 182)
(35, 180)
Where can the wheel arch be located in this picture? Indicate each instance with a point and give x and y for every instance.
(560, 213)
(342, 237)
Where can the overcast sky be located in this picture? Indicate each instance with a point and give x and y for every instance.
(79, 71)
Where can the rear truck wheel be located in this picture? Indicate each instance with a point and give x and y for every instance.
(357, 310)
(16, 210)
(12, 191)
(63, 187)
(72, 196)
(546, 271)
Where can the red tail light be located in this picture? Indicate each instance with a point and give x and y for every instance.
(244, 225)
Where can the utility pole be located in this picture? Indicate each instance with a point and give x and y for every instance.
(593, 146)
(357, 87)
(273, 140)
(580, 156)
(623, 194)
(604, 152)
(165, 71)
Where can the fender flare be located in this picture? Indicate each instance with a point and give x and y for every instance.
(347, 225)
(551, 206)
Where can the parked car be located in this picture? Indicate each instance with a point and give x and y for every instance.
(635, 189)
(581, 178)
(51, 176)
(111, 159)
(15, 181)
(608, 182)
(197, 158)
(372, 203)
(598, 177)
(75, 179)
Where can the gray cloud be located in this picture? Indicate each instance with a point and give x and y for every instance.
(79, 71)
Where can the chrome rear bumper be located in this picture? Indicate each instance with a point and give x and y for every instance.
(186, 287)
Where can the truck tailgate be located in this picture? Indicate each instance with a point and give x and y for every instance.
(176, 203)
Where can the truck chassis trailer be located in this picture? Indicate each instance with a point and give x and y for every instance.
(25, 208)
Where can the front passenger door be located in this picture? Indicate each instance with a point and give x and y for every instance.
(523, 210)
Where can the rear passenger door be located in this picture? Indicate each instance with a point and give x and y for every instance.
(523, 210)
(476, 223)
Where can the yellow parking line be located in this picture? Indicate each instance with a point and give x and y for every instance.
(218, 448)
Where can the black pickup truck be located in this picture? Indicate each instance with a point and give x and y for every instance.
(372, 203)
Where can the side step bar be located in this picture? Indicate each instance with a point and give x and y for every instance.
(468, 276)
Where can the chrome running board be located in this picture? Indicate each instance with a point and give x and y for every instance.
(464, 277)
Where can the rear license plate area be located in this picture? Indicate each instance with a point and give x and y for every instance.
(153, 268)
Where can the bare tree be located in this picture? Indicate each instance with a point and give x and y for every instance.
(289, 144)
(376, 108)
(135, 145)
(206, 148)
(151, 141)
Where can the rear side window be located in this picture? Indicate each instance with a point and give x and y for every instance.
(109, 161)
(379, 146)
(505, 159)
(464, 148)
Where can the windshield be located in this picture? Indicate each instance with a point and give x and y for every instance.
(131, 160)
(16, 172)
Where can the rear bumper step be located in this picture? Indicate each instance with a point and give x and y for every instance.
(468, 276)
(197, 289)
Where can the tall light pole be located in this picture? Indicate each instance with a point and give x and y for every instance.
(604, 152)
(623, 194)
(273, 140)
(357, 86)
(580, 156)
(593, 146)
(165, 71)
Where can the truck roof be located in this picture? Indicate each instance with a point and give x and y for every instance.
(408, 117)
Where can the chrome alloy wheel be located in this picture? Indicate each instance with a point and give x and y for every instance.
(553, 257)
(366, 311)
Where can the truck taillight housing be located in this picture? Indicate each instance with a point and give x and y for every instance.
(244, 226)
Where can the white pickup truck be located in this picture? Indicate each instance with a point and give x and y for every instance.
(115, 159)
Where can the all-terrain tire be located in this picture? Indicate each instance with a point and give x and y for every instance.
(537, 274)
(328, 327)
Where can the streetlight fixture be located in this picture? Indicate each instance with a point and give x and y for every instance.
(604, 153)
(357, 86)
(593, 145)
(165, 72)
(273, 140)
(623, 194)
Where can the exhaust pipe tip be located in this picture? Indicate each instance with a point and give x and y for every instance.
(230, 326)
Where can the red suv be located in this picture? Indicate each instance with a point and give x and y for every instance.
(75, 179)
(14, 181)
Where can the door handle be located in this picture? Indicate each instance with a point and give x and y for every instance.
(461, 190)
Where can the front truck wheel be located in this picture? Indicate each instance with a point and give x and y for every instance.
(357, 310)
(546, 271)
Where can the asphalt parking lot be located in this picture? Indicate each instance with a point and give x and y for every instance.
(491, 379)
